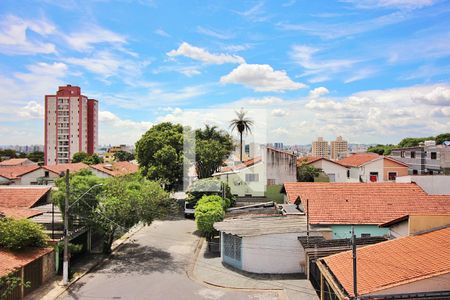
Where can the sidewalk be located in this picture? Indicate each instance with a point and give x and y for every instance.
(54, 288)
(211, 271)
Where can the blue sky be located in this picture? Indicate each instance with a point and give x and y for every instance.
(371, 71)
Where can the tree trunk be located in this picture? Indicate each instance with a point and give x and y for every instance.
(241, 145)
(108, 241)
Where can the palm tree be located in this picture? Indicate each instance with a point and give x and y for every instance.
(242, 124)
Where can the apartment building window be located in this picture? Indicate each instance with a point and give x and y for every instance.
(251, 177)
(392, 176)
(413, 154)
(433, 155)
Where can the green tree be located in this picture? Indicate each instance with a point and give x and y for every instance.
(123, 156)
(160, 154)
(442, 138)
(21, 234)
(36, 156)
(9, 153)
(382, 149)
(127, 201)
(80, 183)
(206, 214)
(241, 124)
(306, 173)
(212, 147)
(9, 282)
(79, 157)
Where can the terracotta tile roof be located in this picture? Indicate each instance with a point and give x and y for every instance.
(363, 203)
(20, 196)
(13, 162)
(358, 159)
(19, 213)
(395, 262)
(73, 167)
(312, 159)
(243, 165)
(15, 172)
(118, 168)
(9, 261)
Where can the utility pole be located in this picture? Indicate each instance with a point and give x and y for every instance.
(355, 286)
(66, 229)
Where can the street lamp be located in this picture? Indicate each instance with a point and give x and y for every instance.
(67, 206)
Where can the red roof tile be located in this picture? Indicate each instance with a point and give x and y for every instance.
(14, 172)
(73, 167)
(363, 203)
(19, 196)
(14, 162)
(19, 213)
(9, 261)
(119, 168)
(358, 159)
(243, 165)
(396, 262)
(312, 159)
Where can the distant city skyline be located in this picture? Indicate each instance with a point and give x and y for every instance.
(371, 71)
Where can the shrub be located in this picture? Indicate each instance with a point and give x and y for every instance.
(225, 203)
(20, 234)
(206, 214)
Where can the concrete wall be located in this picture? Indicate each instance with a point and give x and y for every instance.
(280, 166)
(399, 229)
(344, 231)
(390, 166)
(375, 166)
(30, 178)
(240, 187)
(433, 284)
(99, 174)
(273, 254)
(48, 266)
(420, 223)
(433, 185)
(340, 172)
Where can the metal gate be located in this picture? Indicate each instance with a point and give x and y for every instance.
(33, 275)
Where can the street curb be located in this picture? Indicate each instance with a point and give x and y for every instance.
(114, 248)
(190, 273)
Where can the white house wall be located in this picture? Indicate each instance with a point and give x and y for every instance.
(274, 254)
(31, 178)
(340, 172)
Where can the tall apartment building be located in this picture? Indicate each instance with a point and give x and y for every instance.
(320, 148)
(338, 148)
(71, 125)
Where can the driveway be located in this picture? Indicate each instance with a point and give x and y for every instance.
(153, 265)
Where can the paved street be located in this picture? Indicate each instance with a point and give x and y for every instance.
(152, 265)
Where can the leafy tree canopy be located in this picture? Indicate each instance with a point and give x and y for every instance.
(212, 148)
(306, 173)
(160, 154)
(86, 158)
(21, 234)
(36, 156)
(123, 156)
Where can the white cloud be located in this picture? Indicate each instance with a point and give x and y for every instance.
(202, 55)
(261, 78)
(440, 95)
(113, 129)
(161, 32)
(214, 33)
(278, 112)
(237, 48)
(15, 38)
(107, 64)
(304, 56)
(256, 13)
(87, 38)
(269, 100)
(32, 110)
(317, 92)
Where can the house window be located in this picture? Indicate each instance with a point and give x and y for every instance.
(365, 235)
(232, 246)
(402, 153)
(46, 174)
(348, 173)
(373, 176)
(251, 177)
(392, 176)
(413, 154)
(415, 172)
(433, 155)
